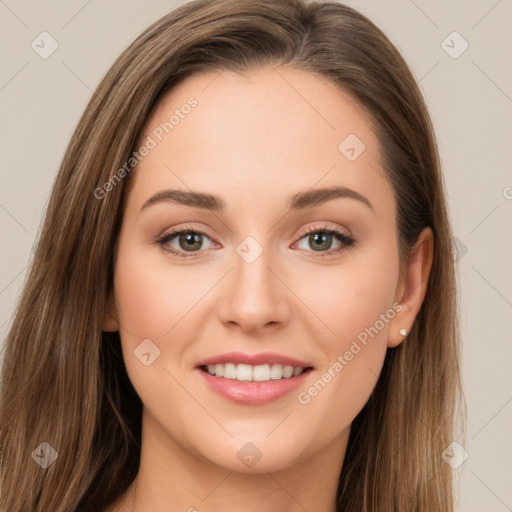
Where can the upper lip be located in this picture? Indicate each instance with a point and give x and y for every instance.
(254, 359)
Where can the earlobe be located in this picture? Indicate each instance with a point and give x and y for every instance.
(413, 288)
(110, 319)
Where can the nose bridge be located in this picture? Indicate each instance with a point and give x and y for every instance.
(255, 297)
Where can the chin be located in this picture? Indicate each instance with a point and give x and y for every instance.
(252, 454)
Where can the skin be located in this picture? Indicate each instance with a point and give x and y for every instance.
(254, 141)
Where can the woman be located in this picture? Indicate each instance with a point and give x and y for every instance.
(243, 295)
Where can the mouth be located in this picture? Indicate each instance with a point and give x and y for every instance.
(253, 379)
(250, 373)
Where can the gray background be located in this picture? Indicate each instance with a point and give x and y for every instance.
(470, 100)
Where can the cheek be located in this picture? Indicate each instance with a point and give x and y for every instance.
(152, 298)
(350, 298)
(159, 302)
(356, 305)
(152, 304)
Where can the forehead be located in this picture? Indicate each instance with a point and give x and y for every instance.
(270, 132)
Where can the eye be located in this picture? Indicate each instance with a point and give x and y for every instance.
(186, 239)
(182, 241)
(322, 239)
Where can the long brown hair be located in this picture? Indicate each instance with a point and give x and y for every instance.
(64, 381)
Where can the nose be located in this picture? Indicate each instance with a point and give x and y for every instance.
(255, 297)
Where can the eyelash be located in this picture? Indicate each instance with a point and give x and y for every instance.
(346, 241)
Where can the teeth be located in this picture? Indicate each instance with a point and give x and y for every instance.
(229, 371)
(276, 371)
(243, 372)
(260, 373)
(287, 372)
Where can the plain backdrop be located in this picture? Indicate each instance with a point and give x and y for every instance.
(466, 78)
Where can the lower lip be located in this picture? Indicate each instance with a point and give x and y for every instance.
(251, 392)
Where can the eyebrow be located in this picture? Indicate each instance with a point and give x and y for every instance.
(298, 201)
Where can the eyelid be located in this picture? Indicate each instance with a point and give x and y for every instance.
(325, 228)
(346, 240)
(177, 230)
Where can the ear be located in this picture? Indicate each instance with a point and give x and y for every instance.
(110, 319)
(412, 287)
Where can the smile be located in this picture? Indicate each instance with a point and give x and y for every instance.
(250, 373)
(253, 379)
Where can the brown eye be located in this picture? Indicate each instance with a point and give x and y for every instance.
(190, 241)
(180, 242)
(322, 240)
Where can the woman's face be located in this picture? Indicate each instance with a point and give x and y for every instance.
(275, 270)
